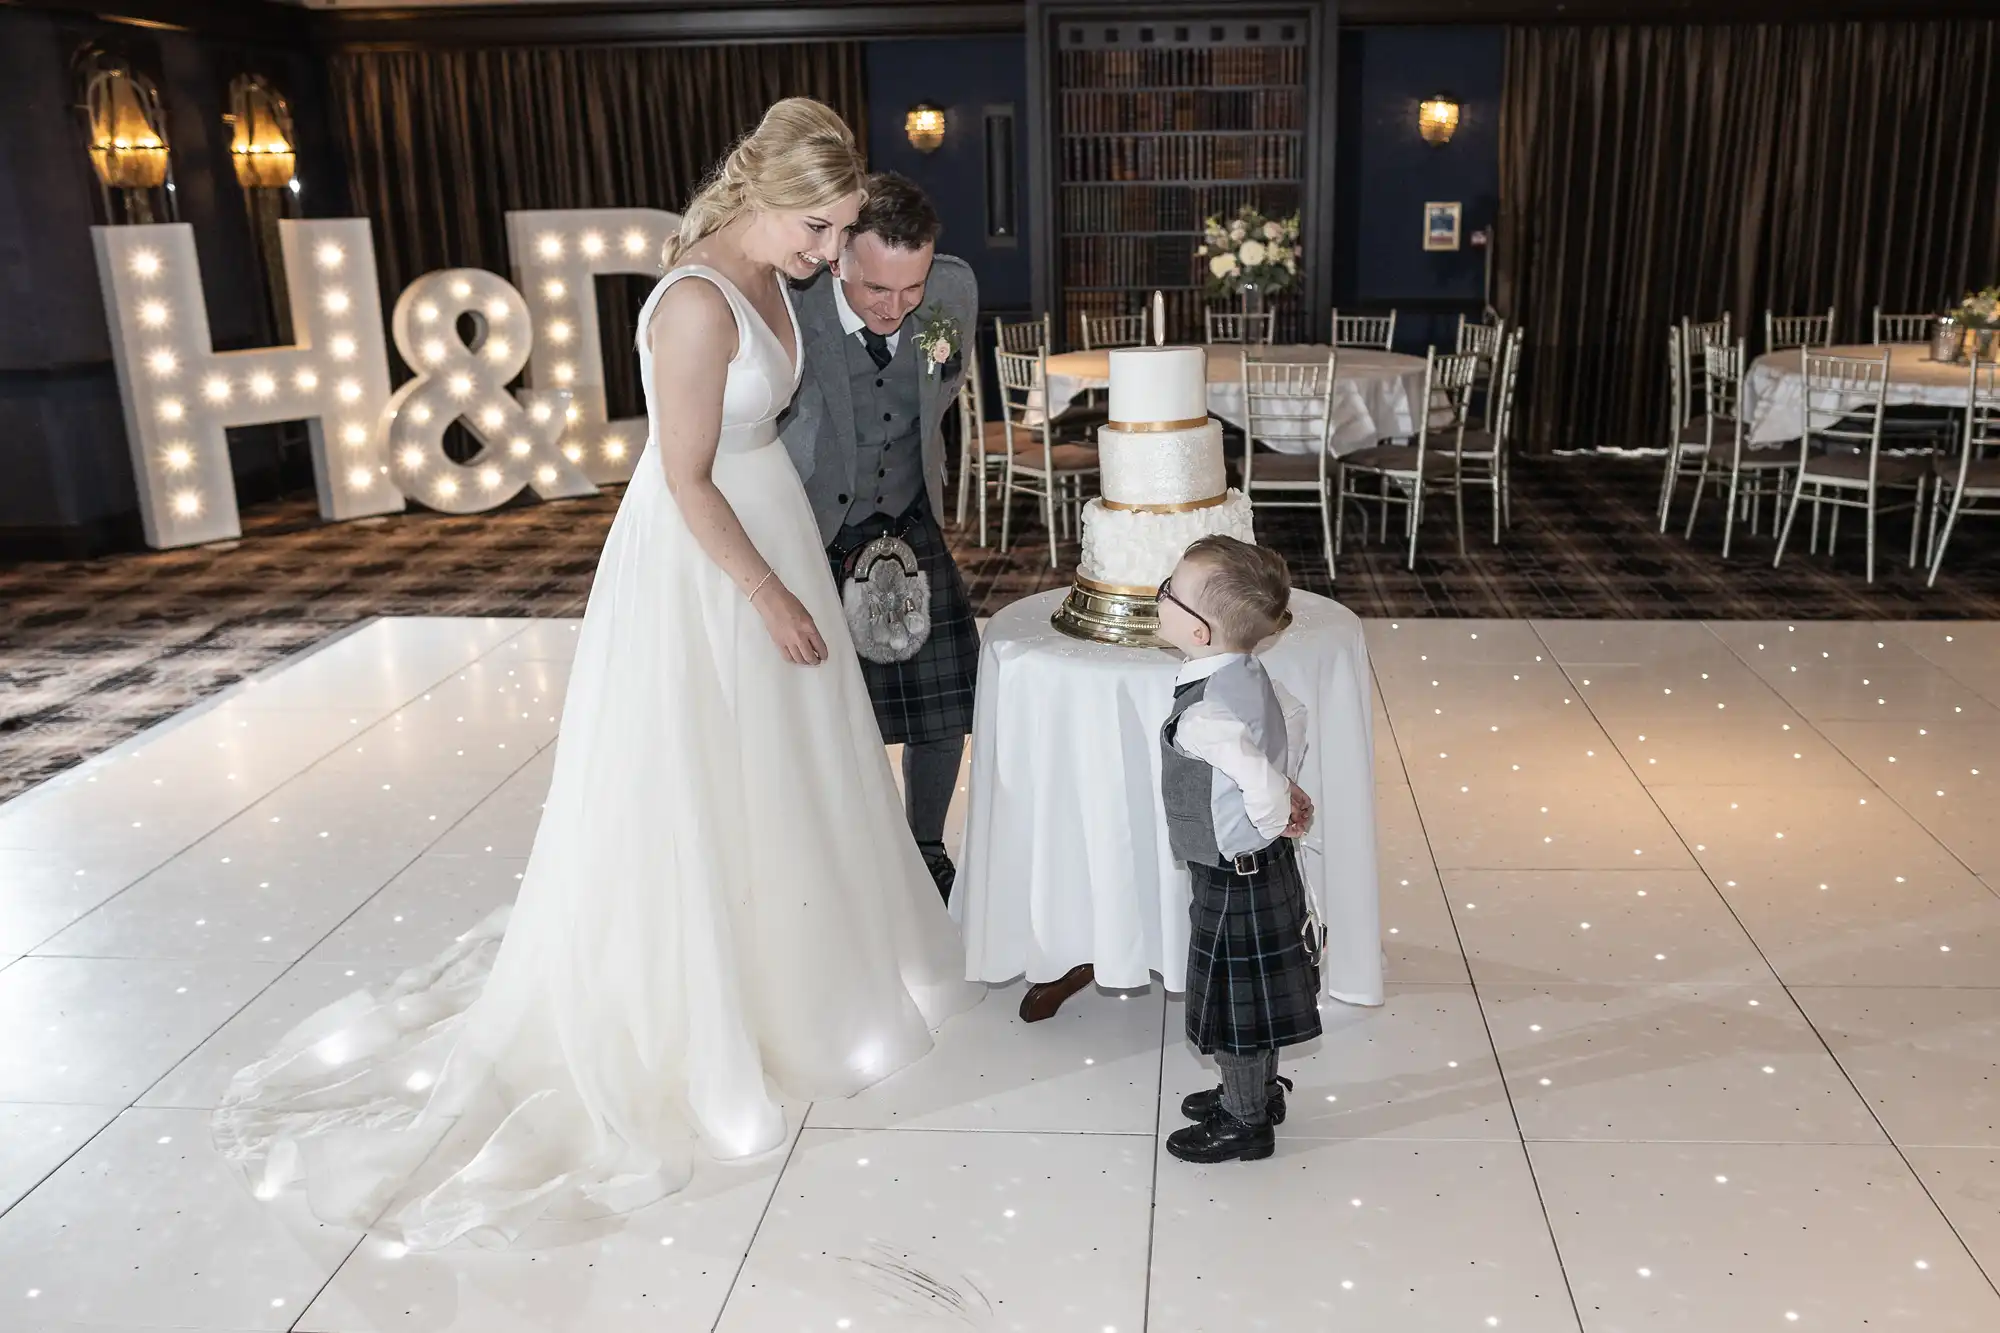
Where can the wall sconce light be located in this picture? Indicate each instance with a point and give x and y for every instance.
(1437, 119)
(128, 140)
(925, 126)
(261, 146)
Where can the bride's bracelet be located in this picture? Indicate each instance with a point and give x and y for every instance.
(768, 574)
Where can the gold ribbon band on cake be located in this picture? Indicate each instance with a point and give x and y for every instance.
(1115, 589)
(1187, 508)
(1143, 427)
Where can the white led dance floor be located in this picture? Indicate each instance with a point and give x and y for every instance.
(1694, 1024)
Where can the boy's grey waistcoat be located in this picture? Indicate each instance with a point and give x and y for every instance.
(1206, 821)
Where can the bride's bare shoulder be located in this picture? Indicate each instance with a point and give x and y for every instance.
(693, 314)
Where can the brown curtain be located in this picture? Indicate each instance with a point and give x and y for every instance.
(440, 145)
(1652, 172)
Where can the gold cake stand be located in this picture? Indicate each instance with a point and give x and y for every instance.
(1100, 613)
(1127, 617)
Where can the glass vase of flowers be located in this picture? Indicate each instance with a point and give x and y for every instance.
(1250, 258)
(1979, 315)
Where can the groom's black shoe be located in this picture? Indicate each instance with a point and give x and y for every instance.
(943, 872)
(1199, 1106)
(1223, 1138)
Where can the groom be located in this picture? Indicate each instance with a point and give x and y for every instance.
(865, 431)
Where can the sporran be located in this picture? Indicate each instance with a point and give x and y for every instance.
(887, 597)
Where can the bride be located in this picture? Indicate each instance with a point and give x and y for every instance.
(723, 895)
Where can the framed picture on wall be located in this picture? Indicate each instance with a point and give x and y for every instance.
(1441, 225)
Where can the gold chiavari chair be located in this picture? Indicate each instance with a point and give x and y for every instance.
(1754, 474)
(1233, 326)
(1023, 335)
(1102, 331)
(982, 450)
(1902, 328)
(1784, 332)
(1036, 466)
(1485, 342)
(1687, 433)
(1376, 332)
(1974, 476)
(1840, 462)
(1288, 436)
(1408, 474)
(1484, 450)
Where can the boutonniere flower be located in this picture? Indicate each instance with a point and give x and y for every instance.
(939, 341)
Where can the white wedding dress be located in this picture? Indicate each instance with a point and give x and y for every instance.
(723, 896)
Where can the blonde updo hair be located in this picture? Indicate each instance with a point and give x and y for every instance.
(800, 156)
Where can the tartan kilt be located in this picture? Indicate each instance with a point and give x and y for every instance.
(1250, 984)
(929, 697)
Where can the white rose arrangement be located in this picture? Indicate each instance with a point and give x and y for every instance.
(1980, 310)
(1250, 250)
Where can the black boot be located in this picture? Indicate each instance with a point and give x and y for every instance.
(1222, 1138)
(943, 873)
(1199, 1106)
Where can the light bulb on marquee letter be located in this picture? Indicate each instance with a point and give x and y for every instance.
(461, 382)
(556, 254)
(181, 394)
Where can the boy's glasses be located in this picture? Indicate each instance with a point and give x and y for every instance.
(1167, 595)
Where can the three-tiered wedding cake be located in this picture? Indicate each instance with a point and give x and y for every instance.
(1163, 486)
(1161, 472)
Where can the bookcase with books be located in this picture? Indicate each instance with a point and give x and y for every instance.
(1156, 125)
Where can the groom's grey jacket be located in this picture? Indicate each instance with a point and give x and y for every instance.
(819, 429)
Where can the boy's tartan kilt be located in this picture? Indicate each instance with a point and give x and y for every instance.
(929, 697)
(1250, 984)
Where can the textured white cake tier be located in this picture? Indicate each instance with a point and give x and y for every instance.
(1126, 548)
(1158, 383)
(1161, 467)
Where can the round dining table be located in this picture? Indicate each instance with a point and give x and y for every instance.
(1774, 392)
(1372, 395)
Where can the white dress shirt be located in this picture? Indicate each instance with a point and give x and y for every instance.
(852, 323)
(1219, 738)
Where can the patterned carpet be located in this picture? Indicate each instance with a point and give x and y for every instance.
(93, 651)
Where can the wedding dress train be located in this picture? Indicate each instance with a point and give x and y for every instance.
(723, 895)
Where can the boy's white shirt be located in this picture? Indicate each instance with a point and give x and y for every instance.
(1209, 732)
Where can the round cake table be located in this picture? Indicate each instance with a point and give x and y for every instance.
(1065, 863)
(1774, 391)
(1373, 390)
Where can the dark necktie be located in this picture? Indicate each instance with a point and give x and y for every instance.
(878, 347)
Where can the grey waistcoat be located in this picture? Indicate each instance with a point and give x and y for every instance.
(1206, 821)
(888, 430)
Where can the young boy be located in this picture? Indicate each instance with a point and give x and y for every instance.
(1230, 749)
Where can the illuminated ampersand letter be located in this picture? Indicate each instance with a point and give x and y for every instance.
(467, 381)
(557, 255)
(181, 394)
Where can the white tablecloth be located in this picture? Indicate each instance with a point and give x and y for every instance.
(1065, 858)
(1774, 390)
(1371, 400)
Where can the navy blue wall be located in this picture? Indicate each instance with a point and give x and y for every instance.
(1385, 173)
(964, 76)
